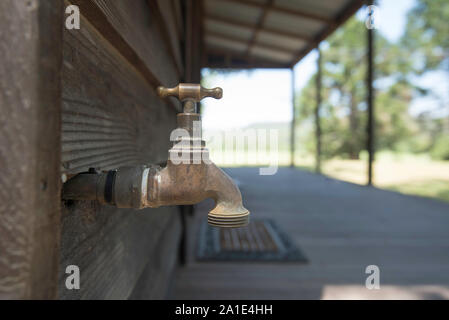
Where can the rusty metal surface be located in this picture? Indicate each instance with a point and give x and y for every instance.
(198, 178)
(191, 184)
(190, 91)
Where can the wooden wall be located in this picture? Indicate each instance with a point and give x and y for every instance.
(30, 60)
(72, 100)
(111, 117)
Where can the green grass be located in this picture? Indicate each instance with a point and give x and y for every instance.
(438, 189)
(409, 176)
(404, 173)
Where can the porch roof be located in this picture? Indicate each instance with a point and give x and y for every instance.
(244, 34)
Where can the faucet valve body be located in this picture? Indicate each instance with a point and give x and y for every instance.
(188, 178)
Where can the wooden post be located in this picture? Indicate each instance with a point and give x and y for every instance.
(370, 99)
(293, 123)
(188, 40)
(193, 43)
(317, 114)
(30, 182)
(193, 57)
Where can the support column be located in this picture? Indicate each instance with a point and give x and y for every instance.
(30, 147)
(293, 123)
(317, 114)
(193, 53)
(370, 96)
(193, 47)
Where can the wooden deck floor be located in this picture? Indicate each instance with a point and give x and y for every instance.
(342, 228)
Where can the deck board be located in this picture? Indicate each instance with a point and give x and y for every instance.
(342, 228)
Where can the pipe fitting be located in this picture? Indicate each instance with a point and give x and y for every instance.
(153, 187)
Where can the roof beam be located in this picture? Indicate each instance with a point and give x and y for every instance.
(263, 28)
(259, 24)
(242, 41)
(294, 12)
(247, 62)
(341, 18)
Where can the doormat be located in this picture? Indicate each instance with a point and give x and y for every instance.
(261, 241)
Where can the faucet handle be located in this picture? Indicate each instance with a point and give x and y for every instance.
(190, 91)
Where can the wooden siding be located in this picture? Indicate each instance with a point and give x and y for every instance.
(30, 60)
(72, 100)
(111, 117)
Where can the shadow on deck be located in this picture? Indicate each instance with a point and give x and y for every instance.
(342, 228)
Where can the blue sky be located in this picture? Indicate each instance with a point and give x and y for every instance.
(264, 95)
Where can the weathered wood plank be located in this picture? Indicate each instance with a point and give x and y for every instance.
(177, 12)
(155, 279)
(168, 15)
(30, 51)
(113, 246)
(193, 41)
(111, 117)
(135, 32)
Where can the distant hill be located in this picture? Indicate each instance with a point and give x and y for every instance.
(282, 127)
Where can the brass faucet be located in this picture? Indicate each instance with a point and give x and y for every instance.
(188, 178)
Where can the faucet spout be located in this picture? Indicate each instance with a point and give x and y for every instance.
(229, 210)
(184, 184)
